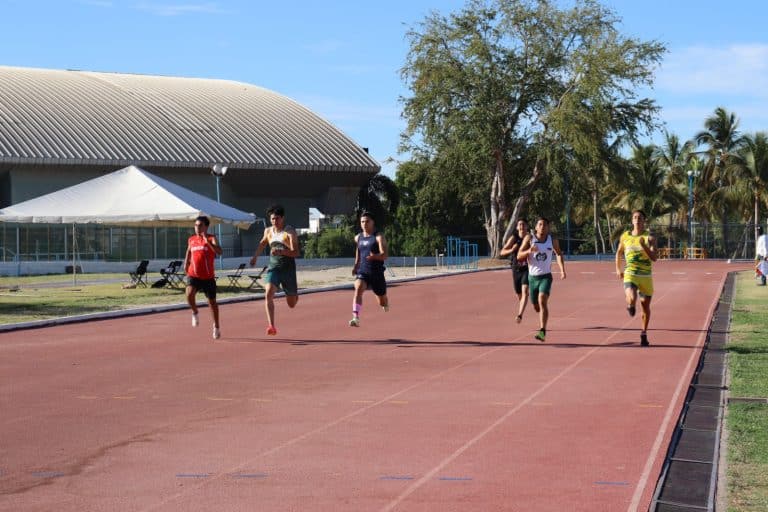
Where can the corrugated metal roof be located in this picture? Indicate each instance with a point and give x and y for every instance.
(81, 117)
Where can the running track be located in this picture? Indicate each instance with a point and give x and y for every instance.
(444, 403)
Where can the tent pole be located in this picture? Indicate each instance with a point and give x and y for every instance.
(74, 262)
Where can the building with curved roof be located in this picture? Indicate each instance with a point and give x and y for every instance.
(62, 127)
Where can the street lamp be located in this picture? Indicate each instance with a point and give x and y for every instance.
(691, 174)
(219, 170)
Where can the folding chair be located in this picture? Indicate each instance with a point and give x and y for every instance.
(234, 279)
(171, 274)
(139, 276)
(255, 279)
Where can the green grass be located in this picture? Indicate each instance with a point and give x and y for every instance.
(46, 297)
(747, 424)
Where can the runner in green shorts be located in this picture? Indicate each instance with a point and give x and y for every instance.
(283, 245)
(540, 249)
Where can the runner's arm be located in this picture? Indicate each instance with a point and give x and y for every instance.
(264, 242)
(382, 254)
(650, 247)
(357, 257)
(509, 247)
(525, 249)
(619, 256)
(559, 256)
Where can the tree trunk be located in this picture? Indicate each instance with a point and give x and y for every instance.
(757, 216)
(595, 222)
(725, 233)
(498, 201)
(522, 200)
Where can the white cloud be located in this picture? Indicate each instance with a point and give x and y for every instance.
(736, 70)
(163, 9)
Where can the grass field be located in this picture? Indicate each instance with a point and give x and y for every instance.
(747, 424)
(24, 299)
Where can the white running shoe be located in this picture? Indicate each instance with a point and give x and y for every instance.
(355, 322)
(195, 320)
(216, 333)
(385, 308)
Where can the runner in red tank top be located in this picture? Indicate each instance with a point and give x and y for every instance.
(199, 264)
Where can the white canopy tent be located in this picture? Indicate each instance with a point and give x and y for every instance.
(128, 197)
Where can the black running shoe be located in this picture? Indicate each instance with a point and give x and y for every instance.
(631, 310)
(644, 340)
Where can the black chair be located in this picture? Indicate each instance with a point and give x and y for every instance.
(139, 276)
(171, 274)
(234, 279)
(255, 280)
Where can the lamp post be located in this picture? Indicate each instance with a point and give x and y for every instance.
(219, 170)
(691, 174)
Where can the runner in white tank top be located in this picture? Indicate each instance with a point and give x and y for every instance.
(540, 261)
(539, 249)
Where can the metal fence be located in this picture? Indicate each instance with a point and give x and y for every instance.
(705, 240)
(57, 242)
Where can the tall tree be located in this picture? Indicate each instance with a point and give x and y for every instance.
(505, 79)
(723, 140)
(750, 168)
(379, 197)
(675, 158)
(646, 185)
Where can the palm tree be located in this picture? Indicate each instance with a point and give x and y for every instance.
(675, 158)
(723, 141)
(646, 188)
(380, 197)
(750, 169)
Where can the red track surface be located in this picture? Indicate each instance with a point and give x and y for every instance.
(444, 403)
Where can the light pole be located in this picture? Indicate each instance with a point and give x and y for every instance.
(691, 174)
(219, 170)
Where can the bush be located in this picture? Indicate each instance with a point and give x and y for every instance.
(330, 243)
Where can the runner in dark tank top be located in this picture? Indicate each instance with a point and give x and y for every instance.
(370, 254)
(519, 268)
(367, 245)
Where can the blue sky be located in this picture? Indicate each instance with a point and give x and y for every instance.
(342, 59)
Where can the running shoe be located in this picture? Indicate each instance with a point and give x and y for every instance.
(271, 331)
(195, 320)
(631, 310)
(541, 335)
(644, 340)
(519, 318)
(385, 308)
(216, 333)
(355, 322)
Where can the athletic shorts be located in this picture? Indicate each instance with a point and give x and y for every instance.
(520, 278)
(375, 281)
(284, 278)
(539, 284)
(207, 286)
(643, 284)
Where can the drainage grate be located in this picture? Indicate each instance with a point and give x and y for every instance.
(689, 475)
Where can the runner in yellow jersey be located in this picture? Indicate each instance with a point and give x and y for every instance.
(638, 247)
